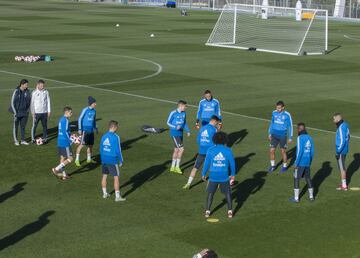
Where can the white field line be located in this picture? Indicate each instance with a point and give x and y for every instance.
(76, 85)
(351, 38)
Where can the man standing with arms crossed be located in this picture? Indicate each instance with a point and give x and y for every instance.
(40, 109)
(20, 105)
(342, 142)
(279, 130)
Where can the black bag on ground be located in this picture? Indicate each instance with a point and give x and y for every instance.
(151, 129)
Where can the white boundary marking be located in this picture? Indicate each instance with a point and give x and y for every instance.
(351, 38)
(76, 85)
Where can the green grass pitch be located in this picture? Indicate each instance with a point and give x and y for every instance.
(43, 217)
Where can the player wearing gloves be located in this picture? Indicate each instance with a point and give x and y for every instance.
(111, 159)
(342, 143)
(304, 157)
(218, 162)
(86, 127)
(208, 107)
(64, 145)
(279, 130)
(177, 124)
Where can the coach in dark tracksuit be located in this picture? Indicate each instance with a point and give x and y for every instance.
(20, 106)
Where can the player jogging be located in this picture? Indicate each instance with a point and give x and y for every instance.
(342, 143)
(219, 160)
(304, 157)
(205, 141)
(280, 128)
(177, 123)
(111, 159)
(86, 127)
(208, 107)
(64, 145)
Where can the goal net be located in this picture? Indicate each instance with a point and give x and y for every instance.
(271, 29)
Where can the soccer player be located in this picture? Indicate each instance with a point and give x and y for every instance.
(219, 160)
(20, 105)
(208, 107)
(40, 109)
(342, 143)
(64, 145)
(204, 141)
(111, 159)
(304, 157)
(280, 129)
(87, 126)
(177, 123)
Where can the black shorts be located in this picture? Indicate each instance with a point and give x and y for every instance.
(199, 161)
(302, 172)
(65, 152)
(277, 140)
(224, 187)
(178, 141)
(110, 169)
(87, 138)
(340, 158)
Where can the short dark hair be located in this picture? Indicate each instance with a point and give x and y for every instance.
(182, 102)
(220, 138)
(280, 103)
(67, 108)
(214, 117)
(41, 81)
(210, 254)
(23, 81)
(207, 92)
(113, 123)
(301, 124)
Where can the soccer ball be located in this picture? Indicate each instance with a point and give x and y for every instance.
(75, 139)
(39, 141)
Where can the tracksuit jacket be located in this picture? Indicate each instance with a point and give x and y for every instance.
(304, 150)
(110, 149)
(281, 124)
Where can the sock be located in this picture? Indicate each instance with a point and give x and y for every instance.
(343, 182)
(117, 194)
(296, 194)
(284, 164)
(173, 163)
(190, 180)
(77, 157)
(60, 167)
(272, 162)
(64, 173)
(178, 163)
(311, 193)
(89, 157)
(104, 190)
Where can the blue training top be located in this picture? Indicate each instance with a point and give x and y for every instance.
(304, 150)
(342, 140)
(87, 120)
(110, 149)
(281, 124)
(64, 140)
(208, 108)
(177, 119)
(205, 138)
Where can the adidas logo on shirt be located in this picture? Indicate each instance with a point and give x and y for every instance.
(219, 157)
(205, 134)
(107, 142)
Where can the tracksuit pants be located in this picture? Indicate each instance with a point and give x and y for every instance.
(22, 122)
(40, 117)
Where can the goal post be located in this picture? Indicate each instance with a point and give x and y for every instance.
(271, 29)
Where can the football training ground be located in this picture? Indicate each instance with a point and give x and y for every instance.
(136, 79)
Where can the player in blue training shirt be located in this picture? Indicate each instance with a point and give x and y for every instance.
(64, 145)
(208, 107)
(205, 141)
(218, 162)
(304, 157)
(280, 129)
(86, 127)
(177, 124)
(342, 143)
(111, 159)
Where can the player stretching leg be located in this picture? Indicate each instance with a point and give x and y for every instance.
(304, 157)
(205, 141)
(208, 107)
(219, 160)
(111, 159)
(280, 127)
(177, 123)
(87, 126)
(64, 145)
(342, 147)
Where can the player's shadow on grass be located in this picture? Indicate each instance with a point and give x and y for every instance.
(189, 163)
(144, 176)
(242, 191)
(318, 178)
(237, 137)
(127, 144)
(353, 167)
(26, 230)
(85, 167)
(14, 191)
(242, 160)
(291, 155)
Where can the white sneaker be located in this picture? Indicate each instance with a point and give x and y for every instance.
(120, 199)
(106, 195)
(24, 143)
(17, 143)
